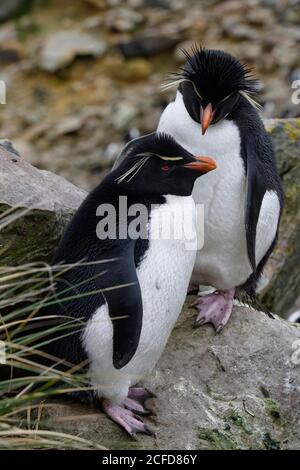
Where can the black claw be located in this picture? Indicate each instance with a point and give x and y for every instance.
(193, 304)
(270, 315)
(145, 412)
(143, 398)
(150, 394)
(138, 417)
(149, 432)
(132, 435)
(135, 431)
(192, 292)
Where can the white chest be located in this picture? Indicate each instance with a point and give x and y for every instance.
(163, 274)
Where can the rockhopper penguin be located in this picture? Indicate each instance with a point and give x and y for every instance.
(128, 291)
(214, 113)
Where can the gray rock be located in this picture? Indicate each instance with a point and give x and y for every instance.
(260, 16)
(10, 8)
(61, 48)
(123, 116)
(236, 390)
(234, 29)
(110, 154)
(8, 33)
(35, 206)
(8, 145)
(147, 46)
(68, 125)
(165, 4)
(123, 19)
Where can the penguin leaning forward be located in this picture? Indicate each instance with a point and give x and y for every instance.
(214, 113)
(128, 290)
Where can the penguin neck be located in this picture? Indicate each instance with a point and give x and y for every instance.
(176, 121)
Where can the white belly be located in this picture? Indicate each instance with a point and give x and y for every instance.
(223, 260)
(163, 275)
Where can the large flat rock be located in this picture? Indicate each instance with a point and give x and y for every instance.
(236, 390)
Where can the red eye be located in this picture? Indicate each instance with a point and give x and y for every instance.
(165, 167)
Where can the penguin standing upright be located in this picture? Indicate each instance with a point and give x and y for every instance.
(214, 113)
(128, 290)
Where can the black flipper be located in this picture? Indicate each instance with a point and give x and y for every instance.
(125, 307)
(261, 176)
(256, 189)
(261, 172)
(115, 282)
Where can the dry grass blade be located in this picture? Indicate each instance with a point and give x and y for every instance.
(14, 437)
(24, 291)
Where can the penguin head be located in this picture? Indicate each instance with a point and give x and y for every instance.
(212, 84)
(156, 164)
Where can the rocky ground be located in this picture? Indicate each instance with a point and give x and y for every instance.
(83, 77)
(236, 390)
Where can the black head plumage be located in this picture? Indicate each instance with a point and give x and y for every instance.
(217, 74)
(212, 82)
(157, 164)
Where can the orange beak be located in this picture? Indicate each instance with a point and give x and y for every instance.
(202, 164)
(206, 116)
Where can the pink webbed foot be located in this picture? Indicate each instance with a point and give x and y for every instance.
(126, 414)
(214, 308)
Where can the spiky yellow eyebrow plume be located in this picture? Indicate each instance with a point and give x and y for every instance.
(163, 157)
(245, 94)
(251, 100)
(132, 172)
(176, 82)
(170, 158)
